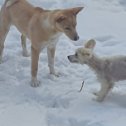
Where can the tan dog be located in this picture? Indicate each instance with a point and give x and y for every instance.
(42, 27)
(107, 69)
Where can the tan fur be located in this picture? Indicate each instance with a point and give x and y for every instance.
(108, 69)
(42, 27)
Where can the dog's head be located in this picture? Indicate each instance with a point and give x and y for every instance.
(66, 22)
(84, 54)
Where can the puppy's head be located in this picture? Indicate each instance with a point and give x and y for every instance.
(84, 54)
(66, 22)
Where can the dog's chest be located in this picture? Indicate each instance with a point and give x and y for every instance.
(52, 41)
(55, 37)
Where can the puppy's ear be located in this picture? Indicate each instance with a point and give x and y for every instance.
(90, 44)
(76, 10)
(60, 18)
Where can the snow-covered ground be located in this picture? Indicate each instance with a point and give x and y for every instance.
(57, 101)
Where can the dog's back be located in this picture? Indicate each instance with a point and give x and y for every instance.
(20, 13)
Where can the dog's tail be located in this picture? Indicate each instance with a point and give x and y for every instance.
(10, 2)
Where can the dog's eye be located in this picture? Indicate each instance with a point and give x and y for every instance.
(67, 28)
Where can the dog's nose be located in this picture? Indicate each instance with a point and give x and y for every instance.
(76, 38)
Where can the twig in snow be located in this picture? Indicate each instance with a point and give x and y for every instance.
(82, 86)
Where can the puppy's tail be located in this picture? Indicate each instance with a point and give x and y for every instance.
(9, 2)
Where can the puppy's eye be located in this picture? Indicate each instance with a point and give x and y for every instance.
(76, 54)
(67, 28)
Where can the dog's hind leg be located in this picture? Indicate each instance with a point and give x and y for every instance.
(4, 28)
(24, 46)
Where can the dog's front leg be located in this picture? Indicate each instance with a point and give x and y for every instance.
(34, 66)
(51, 58)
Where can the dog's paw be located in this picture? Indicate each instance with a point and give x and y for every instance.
(25, 54)
(52, 77)
(56, 74)
(35, 82)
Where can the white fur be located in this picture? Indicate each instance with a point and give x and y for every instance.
(46, 23)
(108, 70)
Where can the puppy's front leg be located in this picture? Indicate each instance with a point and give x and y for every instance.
(105, 88)
(34, 66)
(51, 58)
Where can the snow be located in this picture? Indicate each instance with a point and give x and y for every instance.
(57, 101)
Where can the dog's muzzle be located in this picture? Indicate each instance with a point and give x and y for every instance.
(76, 38)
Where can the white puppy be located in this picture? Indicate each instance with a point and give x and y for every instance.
(108, 70)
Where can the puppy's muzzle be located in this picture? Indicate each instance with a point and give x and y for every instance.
(69, 58)
(72, 59)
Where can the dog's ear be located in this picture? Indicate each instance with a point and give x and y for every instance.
(90, 44)
(76, 10)
(60, 18)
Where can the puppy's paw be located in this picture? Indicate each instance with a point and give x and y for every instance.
(96, 93)
(99, 99)
(35, 82)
